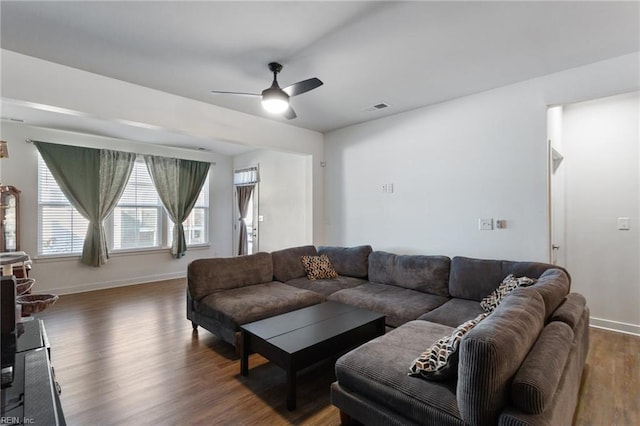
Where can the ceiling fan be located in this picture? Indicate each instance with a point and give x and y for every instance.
(276, 100)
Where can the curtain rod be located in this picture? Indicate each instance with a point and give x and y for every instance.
(213, 163)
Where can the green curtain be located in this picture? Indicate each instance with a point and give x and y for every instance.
(178, 183)
(93, 181)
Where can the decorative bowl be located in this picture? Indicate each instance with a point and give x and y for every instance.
(24, 285)
(34, 303)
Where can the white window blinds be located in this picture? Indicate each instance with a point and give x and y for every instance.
(137, 218)
(62, 229)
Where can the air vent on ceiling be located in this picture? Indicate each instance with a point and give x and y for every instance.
(15, 120)
(377, 107)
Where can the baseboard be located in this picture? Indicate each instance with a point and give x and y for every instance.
(620, 327)
(117, 283)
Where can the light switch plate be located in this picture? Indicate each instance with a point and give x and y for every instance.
(485, 224)
(623, 224)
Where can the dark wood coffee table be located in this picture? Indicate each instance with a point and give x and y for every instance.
(301, 338)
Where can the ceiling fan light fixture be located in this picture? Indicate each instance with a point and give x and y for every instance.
(274, 100)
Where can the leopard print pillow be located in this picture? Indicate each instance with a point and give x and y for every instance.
(440, 360)
(318, 267)
(510, 283)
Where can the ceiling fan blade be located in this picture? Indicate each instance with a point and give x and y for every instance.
(289, 113)
(302, 86)
(219, 92)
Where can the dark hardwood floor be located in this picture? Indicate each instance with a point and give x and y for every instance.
(128, 356)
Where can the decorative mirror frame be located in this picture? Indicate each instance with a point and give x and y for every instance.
(5, 193)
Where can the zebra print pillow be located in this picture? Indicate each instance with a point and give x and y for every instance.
(440, 361)
(510, 283)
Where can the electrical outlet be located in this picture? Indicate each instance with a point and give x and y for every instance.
(485, 224)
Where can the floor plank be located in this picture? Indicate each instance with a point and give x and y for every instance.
(128, 355)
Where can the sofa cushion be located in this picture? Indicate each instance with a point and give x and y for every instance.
(490, 303)
(440, 360)
(475, 278)
(287, 264)
(454, 312)
(207, 276)
(571, 310)
(538, 377)
(348, 261)
(318, 267)
(242, 305)
(399, 304)
(427, 274)
(377, 371)
(326, 287)
(491, 354)
(553, 286)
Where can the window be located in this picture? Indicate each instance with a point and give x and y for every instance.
(62, 229)
(195, 227)
(136, 220)
(139, 220)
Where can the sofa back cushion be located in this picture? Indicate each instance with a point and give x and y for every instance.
(474, 279)
(554, 286)
(491, 354)
(428, 274)
(348, 261)
(207, 276)
(287, 264)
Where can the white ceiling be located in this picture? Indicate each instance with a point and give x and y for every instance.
(405, 54)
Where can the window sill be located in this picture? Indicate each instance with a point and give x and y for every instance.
(113, 254)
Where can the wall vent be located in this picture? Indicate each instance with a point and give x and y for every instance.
(377, 107)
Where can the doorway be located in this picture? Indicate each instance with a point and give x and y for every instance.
(246, 196)
(594, 203)
(556, 190)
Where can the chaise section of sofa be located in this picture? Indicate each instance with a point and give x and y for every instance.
(521, 365)
(224, 293)
(402, 287)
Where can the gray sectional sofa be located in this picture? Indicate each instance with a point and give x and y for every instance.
(521, 365)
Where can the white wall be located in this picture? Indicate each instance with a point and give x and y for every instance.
(285, 199)
(601, 144)
(68, 275)
(482, 156)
